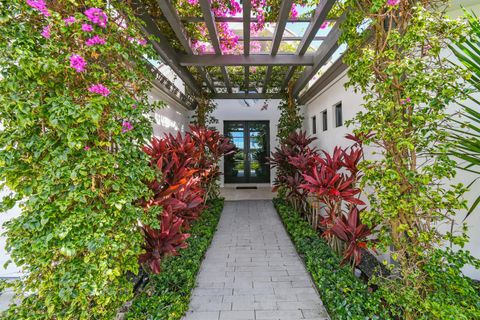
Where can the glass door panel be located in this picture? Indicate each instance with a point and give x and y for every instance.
(259, 170)
(249, 164)
(235, 163)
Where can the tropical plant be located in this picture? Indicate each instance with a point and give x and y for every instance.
(212, 146)
(187, 166)
(167, 294)
(353, 233)
(332, 180)
(290, 159)
(466, 135)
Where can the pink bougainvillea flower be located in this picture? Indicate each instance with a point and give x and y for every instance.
(140, 41)
(70, 20)
(293, 11)
(324, 25)
(405, 101)
(46, 32)
(97, 16)
(126, 126)
(392, 3)
(99, 89)
(193, 2)
(40, 6)
(77, 62)
(86, 148)
(134, 106)
(87, 28)
(95, 40)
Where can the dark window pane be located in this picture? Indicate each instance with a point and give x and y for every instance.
(314, 124)
(324, 120)
(338, 115)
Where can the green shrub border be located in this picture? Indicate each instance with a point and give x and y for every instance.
(344, 296)
(167, 295)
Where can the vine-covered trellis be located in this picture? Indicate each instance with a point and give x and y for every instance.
(197, 40)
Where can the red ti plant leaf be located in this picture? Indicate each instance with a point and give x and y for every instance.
(291, 159)
(164, 242)
(350, 230)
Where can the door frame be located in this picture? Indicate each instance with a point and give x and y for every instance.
(246, 137)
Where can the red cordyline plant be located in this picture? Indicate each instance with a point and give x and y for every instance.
(211, 147)
(291, 159)
(186, 165)
(332, 179)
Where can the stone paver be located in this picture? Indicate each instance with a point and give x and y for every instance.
(252, 271)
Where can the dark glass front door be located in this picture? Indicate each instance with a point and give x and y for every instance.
(249, 164)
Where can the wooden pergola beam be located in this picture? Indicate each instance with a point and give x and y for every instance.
(246, 41)
(167, 54)
(283, 14)
(335, 70)
(251, 95)
(318, 19)
(209, 18)
(324, 52)
(173, 19)
(246, 27)
(292, 38)
(239, 19)
(240, 60)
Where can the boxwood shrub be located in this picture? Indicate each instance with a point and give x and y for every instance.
(344, 296)
(167, 295)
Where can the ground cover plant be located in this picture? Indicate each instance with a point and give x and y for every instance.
(70, 152)
(344, 296)
(167, 294)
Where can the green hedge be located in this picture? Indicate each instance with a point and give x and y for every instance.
(344, 296)
(167, 294)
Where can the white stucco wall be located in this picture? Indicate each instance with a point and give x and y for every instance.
(238, 110)
(169, 119)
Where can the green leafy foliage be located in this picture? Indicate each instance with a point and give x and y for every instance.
(290, 119)
(394, 61)
(167, 294)
(466, 135)
(72, 157)
(344, 296)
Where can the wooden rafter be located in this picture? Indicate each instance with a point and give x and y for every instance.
(240, 60)
(283, 14)
(163, 49)
(173, 19)
(206, 7)
(324, 53)
(318, 19)
(246, 41)
(251, 95)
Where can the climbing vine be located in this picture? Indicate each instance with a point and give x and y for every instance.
(290, 118)
(203, 113)
(395, 62)
(73, 95)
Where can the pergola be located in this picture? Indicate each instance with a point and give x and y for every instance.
(192, 67)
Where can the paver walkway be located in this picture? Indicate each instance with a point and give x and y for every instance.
(252, 271)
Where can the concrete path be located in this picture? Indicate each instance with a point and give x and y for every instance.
(252, 271)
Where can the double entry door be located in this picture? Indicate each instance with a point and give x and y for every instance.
(249, 164)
